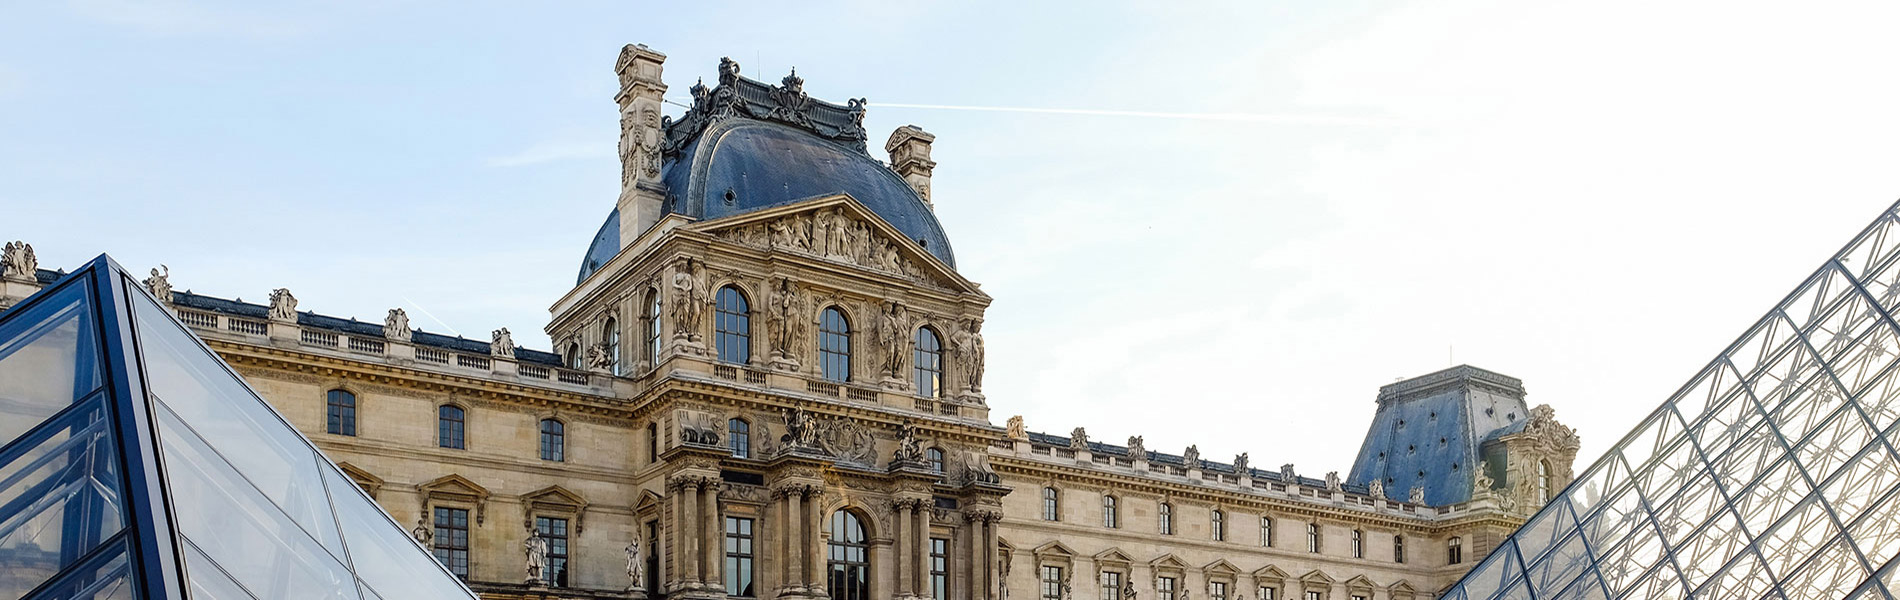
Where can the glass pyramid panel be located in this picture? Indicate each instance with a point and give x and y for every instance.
(1774, 473)
(128, 450)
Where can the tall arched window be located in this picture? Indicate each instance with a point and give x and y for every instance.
(342, 408)
(1543, 482)
(1455, 551)
(732, 326)
(572, 357)
(650, 324)
(553, 440)
(1398, 549)
(849, 560)
(834, 345)
(1358, 544)
(611, 333)
(1167, 519)
(450, 423)
(1266, 532)
(1219, 523)
(739, 436)
(935, 456)
(1312, 538)
(1051, 504)
(927, 364)
(1111, 513)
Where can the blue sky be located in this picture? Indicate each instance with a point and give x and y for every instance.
(1594, 197)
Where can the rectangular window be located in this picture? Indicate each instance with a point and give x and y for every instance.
(739, 557)
(449, 426)
(554, 531)
(1217, 590)
(1267, 593)
(1164, 588)
(1266, 532)
(342, 412)
(1312, 537)
(1358, 544)
(653, 443)
(1358, 597)
(1398, 549)
(1315, 596)
(1051, 583)
(939, 569)
(1111, 585)
(451, 540)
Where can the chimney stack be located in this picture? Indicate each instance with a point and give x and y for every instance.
(641, 93)
(910, 157)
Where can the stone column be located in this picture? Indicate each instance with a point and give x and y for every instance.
(989, 549)
(712, 538)
(815, 576)
(920, 528)
(689, 532)
(979, 563)
(901, 553)
(794, 539)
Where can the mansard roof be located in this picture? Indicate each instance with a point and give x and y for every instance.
(1163, 458)
(354, 327)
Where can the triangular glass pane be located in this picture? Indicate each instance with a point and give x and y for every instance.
(49, 358)
(59, 497)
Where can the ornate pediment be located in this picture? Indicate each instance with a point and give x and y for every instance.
(555, 499)
(1221, 566)
(837, 229)
(1269, 573)
(1113, 556)
(456, 489)
(1315, 576)
(1056, 549)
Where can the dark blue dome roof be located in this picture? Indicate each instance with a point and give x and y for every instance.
(740, 165)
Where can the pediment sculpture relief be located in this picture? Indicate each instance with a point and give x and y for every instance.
(835, 235)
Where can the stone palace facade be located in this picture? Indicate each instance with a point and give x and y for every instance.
(768, 384)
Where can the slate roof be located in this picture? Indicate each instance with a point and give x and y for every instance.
(1177, 460)
(1430, 430)
(355, 327)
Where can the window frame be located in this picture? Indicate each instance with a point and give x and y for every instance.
(610, 334)
(1111, 512)
(939, 568)
(650, 322)
(1166, 587)
(934, 456)
(1217, 523)
(1111, 585)
(732, 325)
(340, 417)
(1398, 549)
(834, 345)
(553, 443)
(740, 551)
(1315, 539)
(554, 570)
(1266, 531)
(838, 554)
(1165, 517)
(444, 539)
(739, 437)
(1051, 504)
(445, 425)
(1358, 543)
(927, 362)
(1455, 551)
(1049, 580)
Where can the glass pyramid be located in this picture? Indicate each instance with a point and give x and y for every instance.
(1771, 474)
(135, 464)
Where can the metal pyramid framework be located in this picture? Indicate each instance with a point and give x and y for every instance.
(135, 464)
(1771, 474)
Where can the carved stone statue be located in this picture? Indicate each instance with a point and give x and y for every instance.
(536, 548)
(501, 343)
(1332, 481)
(908, 449)
(1128, 590)
(728, 71)
(634, 565)
(893, 336)
(1192, 457)
(160, 285)
(18, 262)
(1482, 484)
(283, 306)
(1137, 449)
(599, 358)
(1242, 466)
(801, 430)
(1417, 496)
(1287, 475)
(424, 534)
(689, 300)
(1376, 488)
(969, 343)
(787, 320)
(1079, 439)
(396, 325)
(1014, 428)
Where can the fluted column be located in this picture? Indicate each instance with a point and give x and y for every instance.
(979, 572)
(816, 578)
(689, 534)
(795, 538)
(989, 549)
(901, 552)
(920, 564)
(711, 540)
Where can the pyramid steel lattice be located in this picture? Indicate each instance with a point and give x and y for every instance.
(135, 464)
(1772, 474)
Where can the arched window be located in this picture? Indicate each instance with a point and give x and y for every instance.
(553, 440)
(1358, 544)
(834, 345)
(449, 425)
(739, 437)
(1543, 482)
(650, 323)
(611, 333)
(1455, 551)
(732, 326)
(935, 456)
(927, 364)
(342, 407)
(572, 357)
(1219, 523)
(1111, 514)
(1051, 504)
(1167, 519)
(849, 560)
(1312, 538)
(1398, 549)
